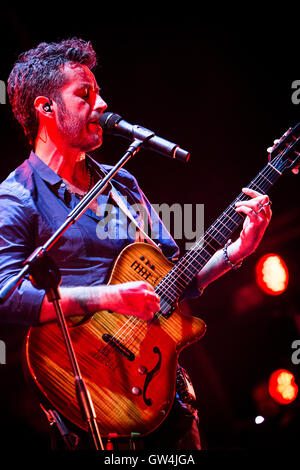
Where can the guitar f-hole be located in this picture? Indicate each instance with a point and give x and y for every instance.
(150, 375)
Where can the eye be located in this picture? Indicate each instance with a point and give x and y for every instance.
(85, 93)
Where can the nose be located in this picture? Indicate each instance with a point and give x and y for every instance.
(100, 104)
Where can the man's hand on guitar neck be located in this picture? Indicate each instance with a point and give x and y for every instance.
(258, 215)
(136, 298)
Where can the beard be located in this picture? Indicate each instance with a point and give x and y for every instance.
(75, 132)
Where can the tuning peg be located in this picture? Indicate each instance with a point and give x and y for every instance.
(270, 149)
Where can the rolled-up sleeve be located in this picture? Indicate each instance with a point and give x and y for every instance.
(16, 244)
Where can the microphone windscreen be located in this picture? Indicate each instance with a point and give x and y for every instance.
(108, 121)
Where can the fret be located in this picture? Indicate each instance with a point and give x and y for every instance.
(195, 247)
(232, 218)
(214, 228)
(171, 286)
(258, 187)
(166, 296)
(266, 179)
(274, 168)
(194, 265)
(179, 277)
(182, 275)
(182, 283)
(224, 225)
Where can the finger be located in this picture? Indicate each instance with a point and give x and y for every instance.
(151, 297)
(264, 213)
(249, 211)
(150, 308)
(251, 192)
(148, 287)
(153, 308)
(155, 299)
(147, 314)
(268, 211)
(257, 202)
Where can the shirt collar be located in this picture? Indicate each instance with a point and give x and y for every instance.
(43, 170)
(49, 175)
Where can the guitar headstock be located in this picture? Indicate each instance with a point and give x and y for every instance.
(285, 153)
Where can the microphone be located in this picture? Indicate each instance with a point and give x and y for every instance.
(113, 124)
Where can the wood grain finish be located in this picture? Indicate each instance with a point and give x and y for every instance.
(131, 393)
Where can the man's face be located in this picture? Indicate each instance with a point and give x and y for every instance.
(79, 108)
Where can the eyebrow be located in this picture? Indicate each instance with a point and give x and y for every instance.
(90, 86)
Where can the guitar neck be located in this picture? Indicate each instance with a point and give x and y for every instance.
(181, 275)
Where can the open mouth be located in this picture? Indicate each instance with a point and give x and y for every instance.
(96, 125)
(95, 120)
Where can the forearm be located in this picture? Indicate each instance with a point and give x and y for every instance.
(217, 265)
(76, 301)
(130, 298)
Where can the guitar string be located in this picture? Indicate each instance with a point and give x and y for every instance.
(136, 321)
(130, 328)
(262, 184)
(131, 322)
(228, 226)
(265, 182)
(166, 282)
(269, 171)
(239, 198)
(169, 280)
(192, 254)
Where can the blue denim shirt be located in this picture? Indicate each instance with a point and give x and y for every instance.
(34, 202)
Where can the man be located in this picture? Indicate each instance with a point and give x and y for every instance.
(56, 99)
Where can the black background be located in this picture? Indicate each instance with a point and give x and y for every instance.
(222, 91)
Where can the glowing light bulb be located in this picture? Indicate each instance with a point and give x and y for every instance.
(272, 274)
(282, 387)
(259, 419)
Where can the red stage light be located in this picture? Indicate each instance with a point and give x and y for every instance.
(272, 274)
(282, 387)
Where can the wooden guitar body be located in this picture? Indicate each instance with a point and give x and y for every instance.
(129, 365)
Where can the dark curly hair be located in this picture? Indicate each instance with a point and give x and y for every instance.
(39, 72)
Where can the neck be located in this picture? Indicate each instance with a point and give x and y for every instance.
(68, 163)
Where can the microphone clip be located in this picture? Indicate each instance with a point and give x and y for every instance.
(141, 133)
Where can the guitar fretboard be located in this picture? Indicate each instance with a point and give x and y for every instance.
(181, 275)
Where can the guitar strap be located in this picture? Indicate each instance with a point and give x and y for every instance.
(121, 203)
(124, 208)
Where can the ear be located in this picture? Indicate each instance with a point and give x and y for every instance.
(40, 103)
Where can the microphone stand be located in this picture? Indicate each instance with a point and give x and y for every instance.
(44, 274)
